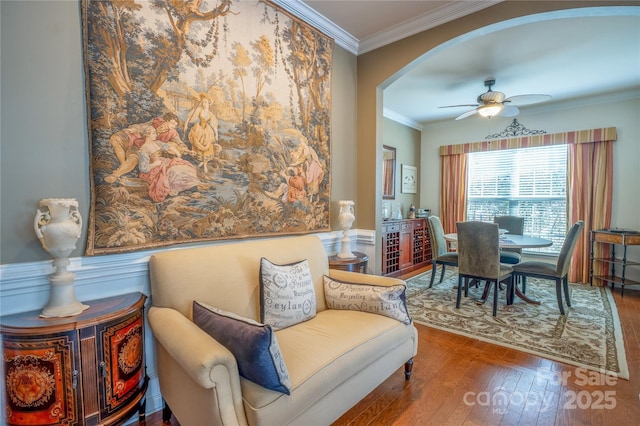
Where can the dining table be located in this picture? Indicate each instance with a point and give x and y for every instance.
(511, 241)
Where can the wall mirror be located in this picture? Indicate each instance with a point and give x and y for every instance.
(388, 172)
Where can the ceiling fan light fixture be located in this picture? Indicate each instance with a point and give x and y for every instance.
(492, 103)
(490, 110)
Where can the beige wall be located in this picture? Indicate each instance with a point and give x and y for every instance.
(343, 124)
(406, 141)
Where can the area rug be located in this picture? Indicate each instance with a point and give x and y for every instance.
(588, 336)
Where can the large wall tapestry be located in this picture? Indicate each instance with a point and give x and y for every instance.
(208, 120)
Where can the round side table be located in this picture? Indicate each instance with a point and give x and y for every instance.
(356, 264)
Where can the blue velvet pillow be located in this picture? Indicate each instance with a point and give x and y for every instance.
(254, 346)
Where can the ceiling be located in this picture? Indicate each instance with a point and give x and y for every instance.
(570, 56)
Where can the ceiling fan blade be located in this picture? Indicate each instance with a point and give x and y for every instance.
(527, 99)
(509, 111)
(456, 106)
(467, 114)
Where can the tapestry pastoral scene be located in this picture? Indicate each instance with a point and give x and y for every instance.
(208, 120)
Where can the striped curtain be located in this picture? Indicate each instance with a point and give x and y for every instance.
(590, 184)
(453, 191)
(590, 197)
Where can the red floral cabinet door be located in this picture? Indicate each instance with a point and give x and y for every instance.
(41, 378)
(122, 366)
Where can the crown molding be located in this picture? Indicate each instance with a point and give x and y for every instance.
(309, 15)
(399, 118)
(446, 13)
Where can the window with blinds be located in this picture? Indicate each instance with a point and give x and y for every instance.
(528, 182)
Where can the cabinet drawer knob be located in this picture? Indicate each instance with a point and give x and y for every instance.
(103, 369)
(74, 380)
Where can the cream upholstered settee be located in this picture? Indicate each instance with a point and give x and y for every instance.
(333, 359)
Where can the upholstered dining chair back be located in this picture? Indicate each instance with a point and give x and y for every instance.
(568, 246)
(513, 225)
(479, 259)
(557, 272)
(440, 254)
(436, 232)
(478, 249)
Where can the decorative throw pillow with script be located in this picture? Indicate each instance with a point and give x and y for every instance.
(389, 301)
(287, 296)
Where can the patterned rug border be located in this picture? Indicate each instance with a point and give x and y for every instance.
(617, 332)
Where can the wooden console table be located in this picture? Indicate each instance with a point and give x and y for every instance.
(87, 369)
(356, 264)
(623, 238)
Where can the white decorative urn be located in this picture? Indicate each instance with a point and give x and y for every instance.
(346, 218)
(58, 228)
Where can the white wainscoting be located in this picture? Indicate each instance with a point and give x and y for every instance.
(25, 287)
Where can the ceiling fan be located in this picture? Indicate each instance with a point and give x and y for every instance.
(492, 103)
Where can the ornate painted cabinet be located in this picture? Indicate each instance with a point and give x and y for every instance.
(87, 369)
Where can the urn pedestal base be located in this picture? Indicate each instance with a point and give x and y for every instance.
(345, 249)
(62, 298)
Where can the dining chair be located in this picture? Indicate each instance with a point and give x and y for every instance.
(440, 254)
(514, 225)
(479, 259)
(557, 272)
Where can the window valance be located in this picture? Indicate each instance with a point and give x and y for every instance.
(573, 137)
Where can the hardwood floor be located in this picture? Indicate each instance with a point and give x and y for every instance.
(456, 378)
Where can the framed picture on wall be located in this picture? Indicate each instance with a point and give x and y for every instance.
(409, 179)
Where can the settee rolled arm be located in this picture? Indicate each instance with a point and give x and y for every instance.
(195, 351)
(204, 359)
